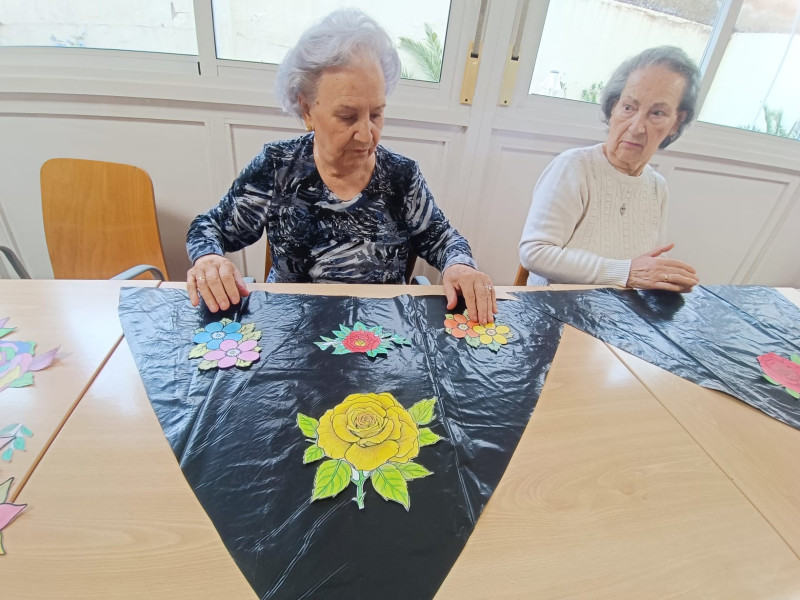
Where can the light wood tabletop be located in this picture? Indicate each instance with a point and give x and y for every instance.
(110, 515)
(627, 483)
(80, 317)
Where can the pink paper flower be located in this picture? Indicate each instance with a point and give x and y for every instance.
(230, 351)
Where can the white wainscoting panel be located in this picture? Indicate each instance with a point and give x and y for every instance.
(174, 153)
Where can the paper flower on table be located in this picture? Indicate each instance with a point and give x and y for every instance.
(12, 438)
(368, 436)
(17, 360)
(8, 511)
(223, 344)
(782, 371)
(371, 341)
(492, 335)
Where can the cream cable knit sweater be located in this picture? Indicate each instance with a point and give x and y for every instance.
(588, 220)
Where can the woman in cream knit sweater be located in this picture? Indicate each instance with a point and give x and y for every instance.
(598, 214)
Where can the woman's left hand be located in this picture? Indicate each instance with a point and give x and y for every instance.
(477, 289)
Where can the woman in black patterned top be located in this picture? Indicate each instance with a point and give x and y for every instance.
(336, 206)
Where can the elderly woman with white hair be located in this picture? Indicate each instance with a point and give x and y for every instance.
(336, 206)
(598, 214)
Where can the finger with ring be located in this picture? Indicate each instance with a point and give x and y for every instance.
(489, 287)
(200, 278)
(666, 277)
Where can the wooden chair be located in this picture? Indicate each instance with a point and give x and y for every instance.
(522, 276)
(99, 220)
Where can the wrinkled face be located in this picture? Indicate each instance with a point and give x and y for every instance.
(347, 115)
(645, 114)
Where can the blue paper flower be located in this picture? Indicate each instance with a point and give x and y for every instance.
(216, 333)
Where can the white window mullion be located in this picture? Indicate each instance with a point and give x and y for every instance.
(721, 33)
(206, 46)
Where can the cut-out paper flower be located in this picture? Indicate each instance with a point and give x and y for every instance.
(371, 341)
(782, 371)
(17, 360)
(368, 436)
(8, 511)
(231, 353)
(492, 335)
(226, 343)
(460, 326)
(215, 333)
(12, 438)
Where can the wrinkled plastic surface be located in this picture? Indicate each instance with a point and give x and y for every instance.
(712, 336)
(234, 433)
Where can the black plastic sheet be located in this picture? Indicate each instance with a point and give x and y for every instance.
(234, 433)
(711, 336)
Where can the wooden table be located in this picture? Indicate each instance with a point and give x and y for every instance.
(628, 483)
(81, 318)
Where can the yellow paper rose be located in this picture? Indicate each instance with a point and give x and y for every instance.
(368, 430)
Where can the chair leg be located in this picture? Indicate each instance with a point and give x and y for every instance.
(22, 273)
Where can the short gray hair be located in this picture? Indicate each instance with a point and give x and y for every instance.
(675, 60)
(342, 38)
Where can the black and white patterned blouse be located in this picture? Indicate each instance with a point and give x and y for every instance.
(316, 237)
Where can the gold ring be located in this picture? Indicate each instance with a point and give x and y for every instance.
(200, 278)
(666, 277)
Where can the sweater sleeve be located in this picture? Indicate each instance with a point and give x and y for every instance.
(240, 217)
(432, 236)
(559, 203)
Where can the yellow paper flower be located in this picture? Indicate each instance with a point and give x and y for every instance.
(369, 430)
(489, 333)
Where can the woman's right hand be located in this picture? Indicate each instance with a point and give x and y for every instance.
(217, 280)
(652, 271)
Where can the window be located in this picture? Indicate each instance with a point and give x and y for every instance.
(757, 85)
(147, 25)
(585, 40)
(264, 30)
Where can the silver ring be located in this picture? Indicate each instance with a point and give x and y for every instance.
(200, 278)
(666, 277)
(489, 287)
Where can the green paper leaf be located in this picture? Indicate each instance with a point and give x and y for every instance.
(795, 358)
(19, 443)
(400, 341)
(25, 431)
(359, 326)
(225, 321)
(243, 364)
(390, 483)
(377, 330)
(7, 454)
(5, 330)
(412, 470)
(199, 330)
(373, 353)
(423, 411)
(9, 429)
(253, 335)
(793, 394)
(345, 331)
(24, 380)
(312, 454)
(4, 487)
(247, 328)
(473, 341)
(331, 478)
(448, 316)
(198, 351)
(308, 425)
(341, 350)
(322, 345)
(427, 437)
(205, 365)
(494, 347)
(770, 379)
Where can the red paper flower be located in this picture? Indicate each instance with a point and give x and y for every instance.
(782, 371)
(361, 341)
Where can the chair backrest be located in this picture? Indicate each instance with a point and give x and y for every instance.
(522, 276)
(99, 218)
